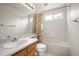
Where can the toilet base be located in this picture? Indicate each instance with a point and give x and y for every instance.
(42, 53)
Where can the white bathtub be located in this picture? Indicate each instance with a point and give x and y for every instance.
(58, 47)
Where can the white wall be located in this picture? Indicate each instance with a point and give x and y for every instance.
(12, 16)
(73, 28)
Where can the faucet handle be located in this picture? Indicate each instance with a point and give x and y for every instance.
(8, 36)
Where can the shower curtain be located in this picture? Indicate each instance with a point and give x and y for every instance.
(37, 20)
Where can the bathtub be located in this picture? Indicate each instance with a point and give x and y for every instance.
(57, 47)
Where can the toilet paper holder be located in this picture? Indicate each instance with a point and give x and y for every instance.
(75, 20)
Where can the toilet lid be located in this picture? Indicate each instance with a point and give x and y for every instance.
(41, 45)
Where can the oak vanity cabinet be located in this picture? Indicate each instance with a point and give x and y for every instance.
(28, 51)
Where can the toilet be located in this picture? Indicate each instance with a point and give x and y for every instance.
(41, 48)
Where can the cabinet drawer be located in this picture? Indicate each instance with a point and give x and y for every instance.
(31, 47)
(32, 53)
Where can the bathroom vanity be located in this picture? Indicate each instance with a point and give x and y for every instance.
(27, 51)
(25, 46)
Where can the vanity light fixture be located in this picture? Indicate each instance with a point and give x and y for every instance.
(30, 6)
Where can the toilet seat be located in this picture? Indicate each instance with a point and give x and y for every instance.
(41, 45)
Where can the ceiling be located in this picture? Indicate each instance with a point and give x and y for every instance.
(14, 9)
(47, 6)
(17, 9)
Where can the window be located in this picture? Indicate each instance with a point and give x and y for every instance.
(58, 16)
(48, 17)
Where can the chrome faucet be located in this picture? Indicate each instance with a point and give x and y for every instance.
(11, 39)
(14, 39)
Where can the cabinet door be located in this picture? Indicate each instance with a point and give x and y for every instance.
(32, 53)
(21, 53)
(31, 47)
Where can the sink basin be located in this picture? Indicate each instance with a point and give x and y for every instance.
(14, 44)
(21, 42)
(9, 45)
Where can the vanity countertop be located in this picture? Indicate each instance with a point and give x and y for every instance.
(11, 51)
